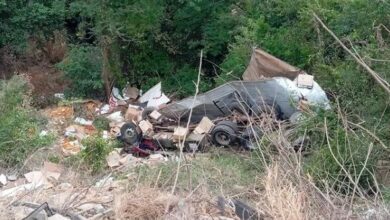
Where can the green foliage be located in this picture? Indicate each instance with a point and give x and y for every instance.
(101, 123)
(339, 153)
(150, 41)
(183, 82)
(218, 172)
(83, 66)
(94, 153)
(19, 124)
(24, 19)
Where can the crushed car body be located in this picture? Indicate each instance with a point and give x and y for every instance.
(269, 86)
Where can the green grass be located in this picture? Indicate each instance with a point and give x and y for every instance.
(220, 171)
(92, 159)
(20, 124)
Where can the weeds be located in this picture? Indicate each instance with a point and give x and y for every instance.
(101, 123)
(341, 156)
(93, 156)
(19, 123)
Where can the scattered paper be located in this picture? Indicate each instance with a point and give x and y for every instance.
(83, 121)
(3, 179)
(116, 117)
(154, 92)
(158, 101)
(113, 159)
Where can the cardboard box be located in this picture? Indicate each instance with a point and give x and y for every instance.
(155, 115)
(204, 126)
(305, 81)
(133, 114)
(146, 127)
(179, 133)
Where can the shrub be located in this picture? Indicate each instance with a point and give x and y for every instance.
(83, 66)
(339, 153)
(101, 123)
(19, 123)
(94, 153)
(182, 84)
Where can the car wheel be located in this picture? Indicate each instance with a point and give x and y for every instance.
(130, 133)
(224, 133)
(230, 124)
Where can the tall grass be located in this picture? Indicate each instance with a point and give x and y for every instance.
(20, 124)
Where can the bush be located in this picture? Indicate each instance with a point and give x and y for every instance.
(339, 153)
(182, 84)
(83, 66)
(94, 153)
(19, 123)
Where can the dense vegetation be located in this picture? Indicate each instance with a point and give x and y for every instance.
(20, 126)
(146, 41)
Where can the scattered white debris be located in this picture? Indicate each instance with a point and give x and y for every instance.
(37, 178)
(158, 101)
(106, 181)
(88, 206)
(83, 121)
(113, 159)
(204, 126)
(59, 95)
(129, 160)
(105, 135)
(155, 115)
(15, 190)
(12, 177)
(146, 127)
(43, 133)
(57, 217)
(305, 81)
(116, 117)
(64, 186)
(3, 179)
(179, 133)
(130, 92)
(154, 92)
(51, 170)
(104, 109)
(116, 94)
(133, 114)
(155, 159)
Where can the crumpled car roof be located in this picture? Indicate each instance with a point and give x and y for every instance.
(248, 91)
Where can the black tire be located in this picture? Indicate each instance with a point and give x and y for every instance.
(250, 136)
(230, 124)
(146, 112)
(223, 135)
(130, 133)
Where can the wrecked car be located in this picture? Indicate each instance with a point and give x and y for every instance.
(270, 88)
(235, 104)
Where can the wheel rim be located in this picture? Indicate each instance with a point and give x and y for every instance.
(222, 138)
(130, 132)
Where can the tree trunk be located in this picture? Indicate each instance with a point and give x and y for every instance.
(106, 73)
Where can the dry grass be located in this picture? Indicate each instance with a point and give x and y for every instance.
(144, 203)
(150, 203)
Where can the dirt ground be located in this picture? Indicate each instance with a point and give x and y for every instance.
(39, 66)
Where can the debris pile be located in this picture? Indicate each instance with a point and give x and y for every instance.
(149, 126)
